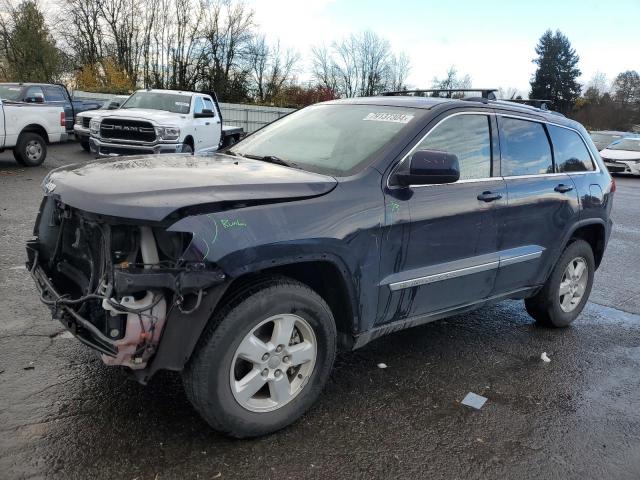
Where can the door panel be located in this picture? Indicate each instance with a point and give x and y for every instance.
(541, 204)
(443, 253)
(535, 218)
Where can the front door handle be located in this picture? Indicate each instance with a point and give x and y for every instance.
(489, 196)
(562, 188)
(207, 123)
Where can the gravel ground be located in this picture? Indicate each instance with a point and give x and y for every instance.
(65, 415)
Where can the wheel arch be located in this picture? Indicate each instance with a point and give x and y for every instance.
(593, 232)
(324, 273)
(189, 141)
(35, 128)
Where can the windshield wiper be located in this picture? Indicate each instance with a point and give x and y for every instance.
(231, 152)
(272, 159)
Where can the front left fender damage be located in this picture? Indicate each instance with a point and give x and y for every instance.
(120, 288)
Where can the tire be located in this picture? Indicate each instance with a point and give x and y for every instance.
(30, 150)
(84, 143)
(546, 306)
(212, 385)
(186, 148)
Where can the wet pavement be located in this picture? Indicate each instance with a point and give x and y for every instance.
(65, 415)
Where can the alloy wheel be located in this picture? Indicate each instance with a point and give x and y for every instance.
(273, 363)
(573, 284)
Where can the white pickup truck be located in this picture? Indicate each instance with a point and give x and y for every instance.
(28, 128)
(159, 121)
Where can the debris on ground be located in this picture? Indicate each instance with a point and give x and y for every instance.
(382, 365)
(474, 400)
(31, 366)
(544, 357)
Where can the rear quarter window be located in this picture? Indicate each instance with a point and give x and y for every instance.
(524, 148)
(570, 152)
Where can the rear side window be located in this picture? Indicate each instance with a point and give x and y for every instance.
(468, 137)
(208, 105)
(199, 106)
(54, 94)
(524, 148)
(570, 152)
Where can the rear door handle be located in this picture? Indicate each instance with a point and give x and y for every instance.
(562, 188)
(489, 196)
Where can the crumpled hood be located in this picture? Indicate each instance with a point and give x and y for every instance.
(160, 117)
(620, 154)
(151, 187)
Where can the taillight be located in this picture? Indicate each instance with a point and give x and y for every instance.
(613, 185)
(63, 119)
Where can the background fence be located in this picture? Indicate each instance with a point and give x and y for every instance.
(249, 117)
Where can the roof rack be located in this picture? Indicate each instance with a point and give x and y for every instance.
(486, 93)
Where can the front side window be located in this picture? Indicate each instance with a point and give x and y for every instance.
(337, 139)
(469, 138)
(524, 148)
(570, 152)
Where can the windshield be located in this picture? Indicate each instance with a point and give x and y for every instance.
(332, 139)
(168, 102)
(630, 144)
(10, 92)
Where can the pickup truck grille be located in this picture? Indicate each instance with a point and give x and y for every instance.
(131, 130)
(86, 121)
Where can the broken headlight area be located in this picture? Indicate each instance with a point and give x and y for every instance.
(113, 284)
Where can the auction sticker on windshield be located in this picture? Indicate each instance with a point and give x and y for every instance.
(389, 117)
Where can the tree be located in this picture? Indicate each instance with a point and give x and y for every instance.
(556, 76)
(359, 65)
(452, 81)
(27, 45)
(627, 88)
(270, 67)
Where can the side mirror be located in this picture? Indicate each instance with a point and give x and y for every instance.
(430, 167)
(206, 113)
(113, 106)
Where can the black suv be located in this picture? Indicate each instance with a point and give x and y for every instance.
(344, 221)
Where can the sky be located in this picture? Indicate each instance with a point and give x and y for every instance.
(492, 41)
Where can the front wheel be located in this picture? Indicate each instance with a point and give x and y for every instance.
(263, 360)
(567, 289)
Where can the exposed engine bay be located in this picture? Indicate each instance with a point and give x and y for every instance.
(114, 283)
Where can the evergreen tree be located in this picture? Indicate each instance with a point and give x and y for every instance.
(557, 73)
(29, 51)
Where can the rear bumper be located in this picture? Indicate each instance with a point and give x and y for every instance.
(102, 148)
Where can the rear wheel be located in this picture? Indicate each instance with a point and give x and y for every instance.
(30, 150)
(263, 360)
(567, 289)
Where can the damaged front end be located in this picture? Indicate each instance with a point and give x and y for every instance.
(116, 285)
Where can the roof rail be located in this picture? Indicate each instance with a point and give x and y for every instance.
(488, 93)
(534, 102)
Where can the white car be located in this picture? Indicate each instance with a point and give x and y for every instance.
(28, 128)
(81, 126)
(623, 156)
(158, 121)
